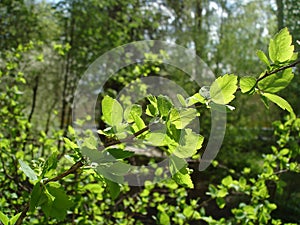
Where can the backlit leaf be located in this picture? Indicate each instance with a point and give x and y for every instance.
(247, 84)
(276, 82)
(14, 219)
(4, 219)
(282, 103)
(181, 118)
(112, 111)
(27, 170)
(196, 98)
(223, 88)
(164, 219)
(183, 178)
(188, 144)
(261, 55)
(164, 105)
(280, 48)
(131, 111)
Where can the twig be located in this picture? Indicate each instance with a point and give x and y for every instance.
(277, 70)
(125, 140)
(23, 215)
(72, 169)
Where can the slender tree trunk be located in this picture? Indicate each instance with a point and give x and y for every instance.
(198, 23)
(65, 103)
(34, 95)
(280, 17)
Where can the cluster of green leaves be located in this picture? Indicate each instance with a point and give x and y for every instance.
(28, 159)
(257, 208)
(158, 123)
(272, 80)
(162, 125)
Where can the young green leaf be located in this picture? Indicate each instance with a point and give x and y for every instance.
(276, 82)
(247, 84)
(70, 144)
(220, 202)
(152, 109)
(196, 98)
(188, 211)
(114, 188)
(27, 170)
(157, 138)
(282, 103)
(138, 123)
(120, 153)
(183, 178)
(280, 48)
(4, 219)
(131, 111)
(112, 111)
(223, 88)
(164, 219)
(261, 55)
(181, 99)
(181, 118)
(51, 163)
(227, 181)
(35, 196)
(188, 144)
(59, 206)
(14, 219)
(164, 105)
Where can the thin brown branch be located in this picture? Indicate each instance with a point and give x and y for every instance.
(281, 171)
(277, 70)
(72, 169)
(125, 140)
(23, 215)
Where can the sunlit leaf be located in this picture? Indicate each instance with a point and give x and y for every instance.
(196, 98)
(133, 110)
(183, 178)
(27, 170)
(280, 48)
(282, 103)
(164, 105)
(247, 84)
(261, 55)
(112, 111)
(276, 82)
(188, 145)
(181, 118)
(223, 88)
(4, 219)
